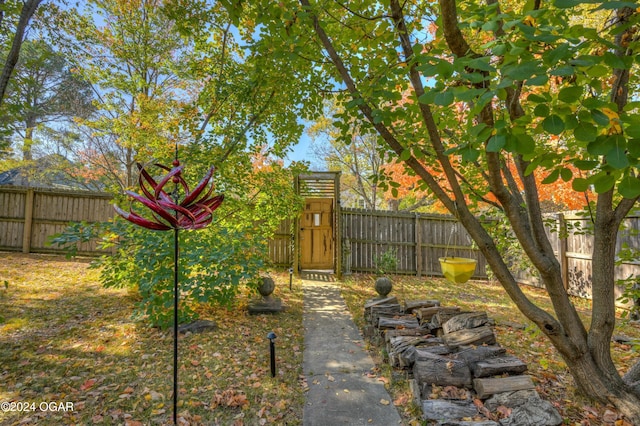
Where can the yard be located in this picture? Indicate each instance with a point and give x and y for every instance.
(65, 339)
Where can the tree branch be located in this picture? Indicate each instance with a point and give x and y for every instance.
(367, 111)
(452, 34)
(28, 9)
(359, 15)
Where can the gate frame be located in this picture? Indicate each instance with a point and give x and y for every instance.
(320, 185)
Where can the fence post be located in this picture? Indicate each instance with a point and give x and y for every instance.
(418, 238)
(28, 221)
(562, 249)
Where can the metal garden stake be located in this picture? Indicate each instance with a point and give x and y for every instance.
(195, 211)
(272, 351)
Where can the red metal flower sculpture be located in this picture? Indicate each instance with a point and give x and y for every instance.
(195, 211)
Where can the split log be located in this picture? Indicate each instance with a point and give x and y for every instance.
(199, 326)
(473, 354)
(441, 409)
(411, 305)
(442, 371)
(405, 358)
(403, 352)
(427, 351)
(527, 408)
(377, 302)
(443, 315)
(380, 301)
(408, 356)
(397, 344)
(425, 314)
(498, 365)
(487, 387)
(511, 399)
(511, 324)
(403, 322)
(476, 336)
(390, 310)
(466, 320)
(415, 332)
(415, 391)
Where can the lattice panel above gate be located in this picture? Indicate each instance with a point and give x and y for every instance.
(319, 184)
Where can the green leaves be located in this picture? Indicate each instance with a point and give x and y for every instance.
(444, 98)
(523, 70)
(524, 144)
(629, 187)
(553, 124)
(617, 158)
(570, 94)
(585, 132)
(496, 143)
(580, 184)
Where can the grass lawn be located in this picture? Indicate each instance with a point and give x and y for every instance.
(513, 331)
(66, 339)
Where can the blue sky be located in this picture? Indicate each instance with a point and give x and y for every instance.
(302, 152)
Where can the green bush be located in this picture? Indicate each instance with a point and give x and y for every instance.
(214, 261)
(387, 262)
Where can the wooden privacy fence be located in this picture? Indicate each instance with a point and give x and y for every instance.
(570, 234)
(281, 245)
(29, 216)
(418, 240)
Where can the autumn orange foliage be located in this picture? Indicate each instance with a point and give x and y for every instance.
(556, 196)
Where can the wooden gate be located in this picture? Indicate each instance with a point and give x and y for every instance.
(317, 234)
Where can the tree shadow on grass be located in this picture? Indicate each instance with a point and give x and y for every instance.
(77, 344)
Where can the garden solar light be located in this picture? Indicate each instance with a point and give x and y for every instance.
(272, 351)
(290, 278)
(193, 211)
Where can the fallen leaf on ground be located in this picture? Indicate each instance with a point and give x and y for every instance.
(88, 384)
(384, 380)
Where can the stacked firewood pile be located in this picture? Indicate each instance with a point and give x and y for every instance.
(458, 373)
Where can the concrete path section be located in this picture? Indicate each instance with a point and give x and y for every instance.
(336, 366)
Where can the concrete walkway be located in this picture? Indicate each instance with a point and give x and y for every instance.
(336, 365)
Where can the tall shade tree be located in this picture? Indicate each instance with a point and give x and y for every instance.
(131, 53)
(43, 90)
(14, 20)
(169, 73)
(498, 90)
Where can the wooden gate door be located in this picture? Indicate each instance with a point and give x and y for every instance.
(316, 234)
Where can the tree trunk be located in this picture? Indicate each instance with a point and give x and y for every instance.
(27, 143)
(28, 9)
(599, 386)
(603, 284)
